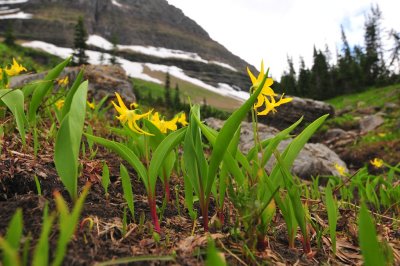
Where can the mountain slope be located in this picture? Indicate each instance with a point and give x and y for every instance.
(132, 22)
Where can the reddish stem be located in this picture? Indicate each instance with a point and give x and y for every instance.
(204, 211)
(153, 213)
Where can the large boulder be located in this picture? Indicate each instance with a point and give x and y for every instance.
(289, 113)
(103, 80)
(315, 158)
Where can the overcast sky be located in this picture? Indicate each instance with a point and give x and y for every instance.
(273, 29)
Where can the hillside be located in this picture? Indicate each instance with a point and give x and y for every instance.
(146, 32)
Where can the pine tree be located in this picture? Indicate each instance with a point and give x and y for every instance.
(303, 84)
(167, 96)
(9, 38)
(113, 58)
(288, 80)
(374, 68)
(177, 100)
(395, 50)
(320, 88)
(80, 45)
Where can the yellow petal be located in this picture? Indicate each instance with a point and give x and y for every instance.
(120, 102)
(252, 77)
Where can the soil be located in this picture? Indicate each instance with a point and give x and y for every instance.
(106, 241)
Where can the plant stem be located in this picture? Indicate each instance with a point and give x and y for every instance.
(153, 213)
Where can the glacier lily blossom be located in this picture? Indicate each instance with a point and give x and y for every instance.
(163, 125)
(341, 170)
(130, 116)
(377, 163)
(266, 92)
(59, 104)
(182, 119)
(14, 69)
(63, 82)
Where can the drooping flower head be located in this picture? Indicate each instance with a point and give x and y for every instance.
(377, 163)
(341, 169)
(63, 82)
(59, 104)
(162, 124)
(91, 105)
(267, 94)
(14, 69)
(129, 116)
(182, 119)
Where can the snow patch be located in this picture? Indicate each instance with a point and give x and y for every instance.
(114, 2)
(160, 52)
(19, 15)
(99, 41)
(136, 69)
(12, 2)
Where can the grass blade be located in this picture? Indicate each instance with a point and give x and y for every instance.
(127, 188)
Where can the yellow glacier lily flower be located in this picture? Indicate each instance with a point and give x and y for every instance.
(378, 163)
(163, 125)
(266, 92)
(59, 104)
(63, 82)
(182, 119)
(15, 69)
(341, 170)
(91, 105)
(130, 116)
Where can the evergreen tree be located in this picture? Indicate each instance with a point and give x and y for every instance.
(113, 58)
(344, 79)
(395, 50)
(177, 100)
(9, 38)
(288, 80)
(320, 88)
(303, 84)
(167, 96)
(80, 45)
(374, 68)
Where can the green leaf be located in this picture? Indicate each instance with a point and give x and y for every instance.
(332, 210)
(67, 222)
(162, 151)
(105, 178)
(43, 88)
(127, 188)
(213, 256)
(126, 154)
(370, 247)
(225, 136)
(68, 100)
(14, 99)
(294, 148)
(68, 141)
(10, 253)
(41, 253)
(13, 237)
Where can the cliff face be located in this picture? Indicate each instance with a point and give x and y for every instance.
(132, 22)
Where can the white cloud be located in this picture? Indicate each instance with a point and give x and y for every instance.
(271, 30)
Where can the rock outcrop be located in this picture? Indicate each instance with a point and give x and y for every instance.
(103, 80)
(315, 158)
(289, 113)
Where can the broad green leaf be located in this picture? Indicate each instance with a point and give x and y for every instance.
(68, 100)
(126, 154)
(127, 189)
(213, 256)
(225, 136)
(68, 141)
(43, 88)
(10, 253)
(13, 238)
(41, 253)
(331, 207)
(370, 247)
(67, 222)
(162, 151)
(294, 148)
(14, 99)
(105, 178)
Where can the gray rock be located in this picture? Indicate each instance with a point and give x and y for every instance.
(335, 133)
(370, 122)
(315, 158)
(103, 80)
(289, 113)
